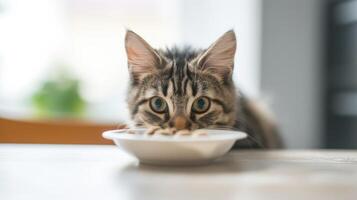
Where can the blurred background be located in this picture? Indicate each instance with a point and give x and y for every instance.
(64, 60)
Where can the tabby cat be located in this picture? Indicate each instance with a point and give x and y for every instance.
(190, 89)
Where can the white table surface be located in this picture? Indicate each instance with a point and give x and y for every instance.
(104, 172)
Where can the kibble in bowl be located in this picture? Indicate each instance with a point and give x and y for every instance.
(170, 131)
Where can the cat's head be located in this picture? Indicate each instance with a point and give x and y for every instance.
(182, 89)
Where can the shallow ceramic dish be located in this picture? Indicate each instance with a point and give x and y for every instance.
(175, 149)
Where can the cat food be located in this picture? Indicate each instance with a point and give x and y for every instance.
(171, 131)
(183, 132)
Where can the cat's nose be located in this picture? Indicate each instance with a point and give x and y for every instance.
(180, 122)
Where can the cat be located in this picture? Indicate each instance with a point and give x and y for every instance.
(177, 89)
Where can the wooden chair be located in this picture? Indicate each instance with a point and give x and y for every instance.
(53, 132)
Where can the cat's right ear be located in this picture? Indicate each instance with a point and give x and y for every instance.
(218, 59)
(142, 58)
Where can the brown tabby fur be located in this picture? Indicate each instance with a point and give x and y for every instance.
(181, 76)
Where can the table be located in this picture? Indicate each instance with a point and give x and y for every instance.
(104, 172)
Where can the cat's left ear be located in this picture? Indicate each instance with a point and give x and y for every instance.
(218, 59)
(142, 58)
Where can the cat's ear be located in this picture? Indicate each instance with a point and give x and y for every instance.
(142, 58)
(218, 59)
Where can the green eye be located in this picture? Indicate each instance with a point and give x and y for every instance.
(201, 105)
(158, 104)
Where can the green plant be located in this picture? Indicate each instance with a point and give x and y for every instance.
(59, 97)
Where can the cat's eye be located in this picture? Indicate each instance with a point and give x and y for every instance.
(201, 105)
(158, 104)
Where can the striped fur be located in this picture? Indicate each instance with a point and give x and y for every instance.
(181, 76)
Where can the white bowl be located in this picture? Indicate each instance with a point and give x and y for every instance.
(176, 149)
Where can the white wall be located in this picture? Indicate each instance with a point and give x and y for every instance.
(291, 67)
